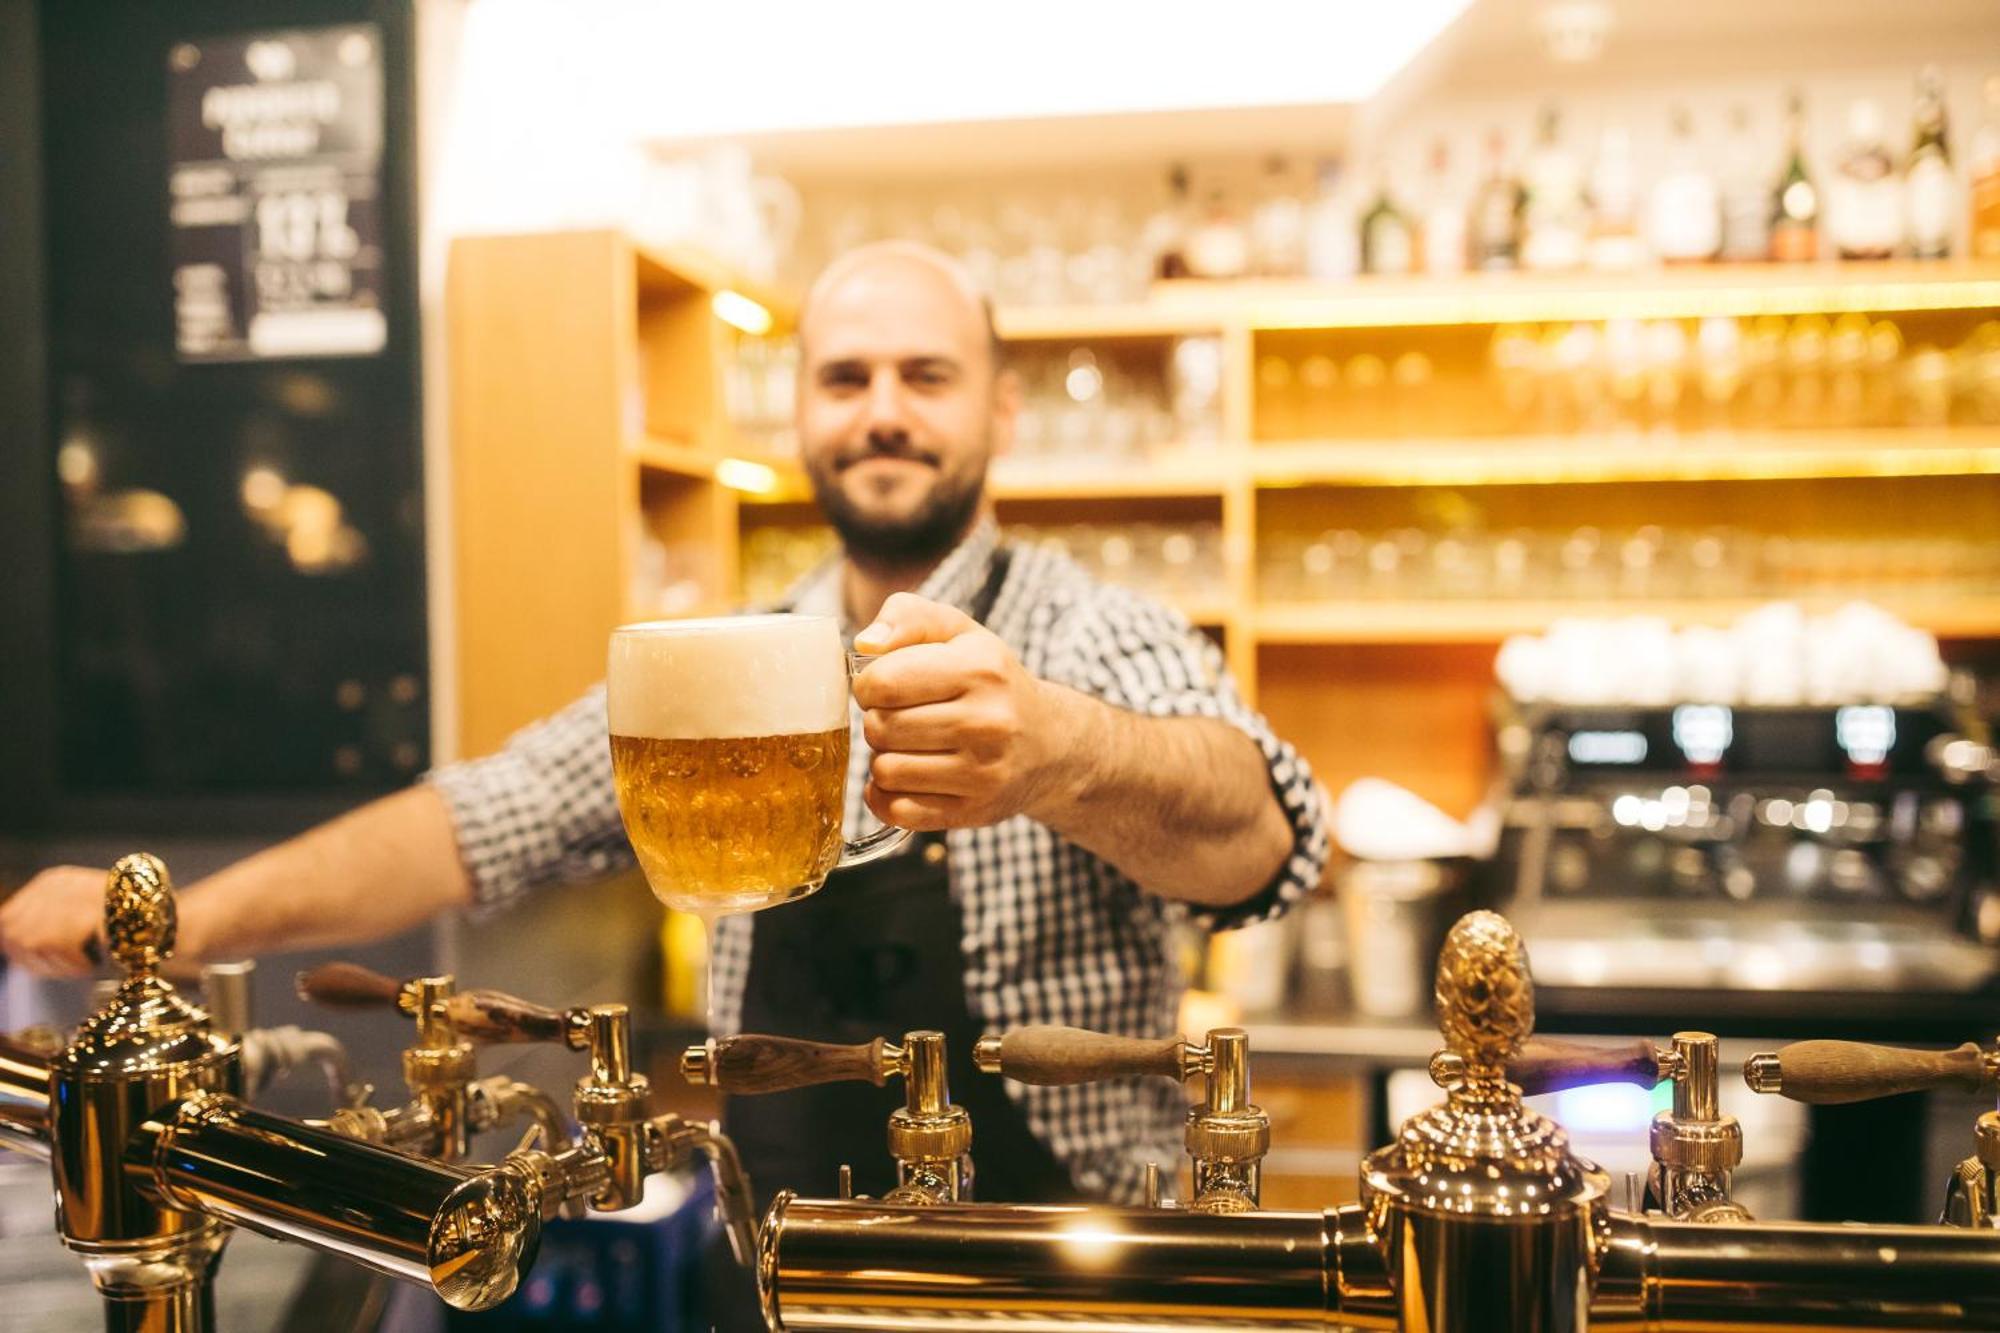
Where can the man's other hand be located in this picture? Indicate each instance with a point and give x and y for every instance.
(52, 921)
(962, 734)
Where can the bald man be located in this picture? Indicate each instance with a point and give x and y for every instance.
(1080, 770)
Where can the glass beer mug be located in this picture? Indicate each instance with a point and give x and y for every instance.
(729, 748)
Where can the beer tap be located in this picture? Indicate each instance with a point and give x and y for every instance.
(1696, 1148)
(603, 1167)
(1226, 1136)
(271, 1053)
(929, 1136)
(1830, 1073)
(448, 1102)
(155, 1157)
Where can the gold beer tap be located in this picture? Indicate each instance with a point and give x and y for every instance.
(1226, 1136)
(929, 1136)
(1478, 1219)
(1696, 1148)
(619, 1145)
(154, 1156)
(448, 1102)
(1830, 1073)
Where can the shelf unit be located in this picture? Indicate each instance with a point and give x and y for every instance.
(586, 415)
(587, 412)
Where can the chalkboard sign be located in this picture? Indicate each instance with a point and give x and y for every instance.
(274, 166)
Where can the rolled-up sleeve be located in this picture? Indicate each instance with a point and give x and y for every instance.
(539, 811)
(1137, 654)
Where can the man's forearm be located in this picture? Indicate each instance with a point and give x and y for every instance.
(1182, 805)
(371, 873)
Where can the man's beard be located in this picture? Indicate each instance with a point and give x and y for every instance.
(922, 537)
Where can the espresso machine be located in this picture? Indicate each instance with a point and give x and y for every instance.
(1478, 1217)
(1806, 860)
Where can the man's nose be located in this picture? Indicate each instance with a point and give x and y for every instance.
(887, 406)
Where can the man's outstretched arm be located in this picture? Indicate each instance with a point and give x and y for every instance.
(371, 873)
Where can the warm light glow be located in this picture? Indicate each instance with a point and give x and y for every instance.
(740, 474)
(263, 489)
(1089, 1242)
(740, 312)
(76, 464)
(1087, 59)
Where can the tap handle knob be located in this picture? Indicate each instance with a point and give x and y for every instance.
(1830, 1073)
(754, 1062)
(1545, 1064)
(1056, 1057)
(139, 914)
(350, 986)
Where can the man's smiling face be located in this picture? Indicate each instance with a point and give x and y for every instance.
(900, 405)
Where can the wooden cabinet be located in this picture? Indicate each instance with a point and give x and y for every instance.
(589, 423)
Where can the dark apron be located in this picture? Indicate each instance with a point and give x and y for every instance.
(879, 951)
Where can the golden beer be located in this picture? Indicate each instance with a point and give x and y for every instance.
(729, 749)
(733, 824)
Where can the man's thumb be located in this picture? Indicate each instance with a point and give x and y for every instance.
(907, 619)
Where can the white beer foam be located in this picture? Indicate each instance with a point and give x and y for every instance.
(773, 675)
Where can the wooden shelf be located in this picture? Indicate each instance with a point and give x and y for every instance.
(1139, 319)
(680, 460)
(1506, 298)
(1481, 621)
(1739, 290)
(1513, 460)
(680, 270)
(1165, 477)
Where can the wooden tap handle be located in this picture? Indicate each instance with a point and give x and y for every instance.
(493, 1017)
(1544, 1064)
(484, 1016)
(754, 1062)
(349, 986)
(1057, 1056)
(1830, 1073)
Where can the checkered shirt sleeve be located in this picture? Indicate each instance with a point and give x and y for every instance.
(540, 811)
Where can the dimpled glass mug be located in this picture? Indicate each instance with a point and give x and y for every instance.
(729, 749)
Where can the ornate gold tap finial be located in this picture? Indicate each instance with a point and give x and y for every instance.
(139, 915)
(1485, 998)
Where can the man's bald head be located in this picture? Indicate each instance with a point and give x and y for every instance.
(951, 281)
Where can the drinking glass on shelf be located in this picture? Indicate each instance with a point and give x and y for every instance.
(1882, 394)
(1806, 367)
(1847, 371)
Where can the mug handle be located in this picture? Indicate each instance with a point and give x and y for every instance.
(870, 846)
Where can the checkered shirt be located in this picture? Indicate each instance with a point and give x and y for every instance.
(1053, 933)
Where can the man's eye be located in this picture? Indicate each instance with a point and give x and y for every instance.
(843, 378)
(928, 376)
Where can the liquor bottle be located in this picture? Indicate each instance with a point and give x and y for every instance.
(1165, 232)
(1554, 215)
(1443, 232)
(1388, 241)
(1684, 216)
(1983, 240)
(1332, 247)
(1495, 220)
(1864, 199)
(1218, 247)
(1614, 196)
(1795, 202)
(1746, 212)
(1277, 226)
(1930, 187)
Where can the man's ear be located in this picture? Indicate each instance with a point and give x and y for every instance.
(1006, 411)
